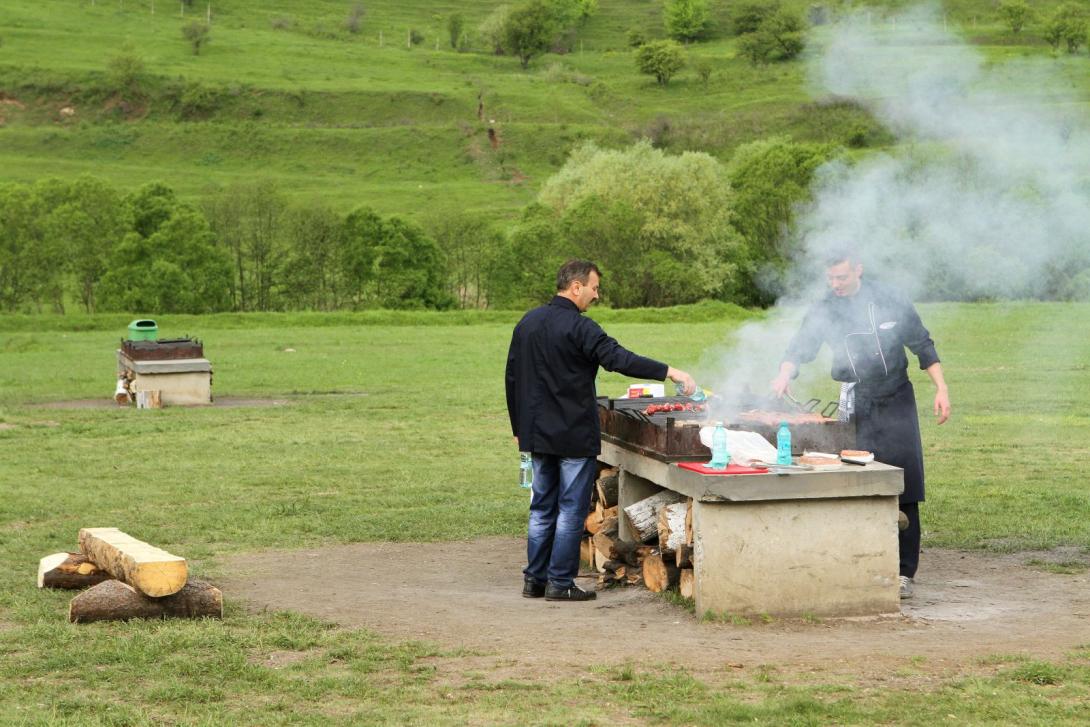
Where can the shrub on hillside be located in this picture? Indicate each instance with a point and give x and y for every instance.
(686, 19)
(1015, 14)
(492, 28)
(197, 34)
(125, 74)
(749, 16)
(779, 37)
(353, 22)
(704, 69)
(529, 30)
(661, 59)
(455, 27)
(635, 38)
(1067, 26)
(197, 101)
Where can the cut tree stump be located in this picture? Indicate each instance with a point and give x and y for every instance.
(672, 527)
(686, 585)
(643, 516)
(607, 487)
(658, 575)
(117, 601)
(148, 569)
(69, 570)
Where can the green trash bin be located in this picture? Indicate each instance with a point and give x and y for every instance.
(143, 329)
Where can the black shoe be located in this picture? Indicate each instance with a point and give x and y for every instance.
(568, 593)
(532, 588)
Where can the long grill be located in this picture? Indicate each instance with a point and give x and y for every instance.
(675, 436)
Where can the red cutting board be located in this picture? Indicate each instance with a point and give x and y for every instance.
(732, 469)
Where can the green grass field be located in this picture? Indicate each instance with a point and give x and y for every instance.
(397, 430)
(339, 117)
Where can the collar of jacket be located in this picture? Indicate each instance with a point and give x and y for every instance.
(561, 301)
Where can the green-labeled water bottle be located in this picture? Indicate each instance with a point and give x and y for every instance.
(720, 453)
(526, 470)
(783, 444)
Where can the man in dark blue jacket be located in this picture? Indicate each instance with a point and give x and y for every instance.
(868, 326)
(551, 366)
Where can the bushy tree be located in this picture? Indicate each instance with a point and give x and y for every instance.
(685, 19)
(177, 269)
(312, 273)
(770, 178)
(470, 244)
(125, 74)
(749, 16)
(1015, 13)
(779, 37)
(28, 263)
(529, 30)
(1068, 25)
(661, 59)
(658, 224)
(247, 220)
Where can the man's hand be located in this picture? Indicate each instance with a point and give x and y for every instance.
(942, 405)
(688, 384)
(782, 383)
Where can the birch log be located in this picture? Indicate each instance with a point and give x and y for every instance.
(643, 515)
(69, 570)
(117, 601)
(672, 527)
(148, 569)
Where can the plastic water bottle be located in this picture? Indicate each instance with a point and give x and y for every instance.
(720, 453)
(526, 470)
(783, 444)
(698, 395)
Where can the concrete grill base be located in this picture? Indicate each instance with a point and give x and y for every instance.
(820, 543)
(181, 382)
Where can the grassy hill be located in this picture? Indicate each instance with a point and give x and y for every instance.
(283, 90)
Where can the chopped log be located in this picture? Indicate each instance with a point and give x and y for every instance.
(149, 399)
(613, 549)
(683, 556)
(658, 575)
(634, 576)
(643, 551)
(609, 512)
(69, 570)
(586, 551)
(148, 569)
(686, 584)
(672, 527)
(643, 515)
(593, 523)
(609, 526)
(607, 487)
(117, 601)
(689, 523)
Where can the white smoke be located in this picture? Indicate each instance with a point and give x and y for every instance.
(986, 196)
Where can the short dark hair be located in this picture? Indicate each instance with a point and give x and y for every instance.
(575, 270)
(835, 257)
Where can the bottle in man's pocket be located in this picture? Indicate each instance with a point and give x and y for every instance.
(526, 470)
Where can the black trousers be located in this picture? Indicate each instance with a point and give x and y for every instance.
(909, 540)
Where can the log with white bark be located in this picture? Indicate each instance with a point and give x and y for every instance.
(117, 601)
(643, 516)
(659, 575)
(607, 486)
(672, 527)
(148, 569)
(686, 585)
(69, 570)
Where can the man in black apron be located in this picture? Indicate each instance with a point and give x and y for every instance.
(867, 326)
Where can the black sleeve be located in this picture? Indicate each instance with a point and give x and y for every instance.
(612, 356)
(511, 382)
(917, 338)
(807, 340)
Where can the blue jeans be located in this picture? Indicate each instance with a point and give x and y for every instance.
(558, 511)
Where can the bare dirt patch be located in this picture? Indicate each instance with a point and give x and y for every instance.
(466, 595)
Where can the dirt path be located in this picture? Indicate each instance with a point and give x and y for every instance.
(467, 594)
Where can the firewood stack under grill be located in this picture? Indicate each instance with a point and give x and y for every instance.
(661, 560)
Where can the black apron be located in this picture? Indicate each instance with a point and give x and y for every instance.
(890, 427)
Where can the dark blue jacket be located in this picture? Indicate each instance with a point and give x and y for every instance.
(551, 365)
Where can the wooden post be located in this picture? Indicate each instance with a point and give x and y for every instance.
(153, 571)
